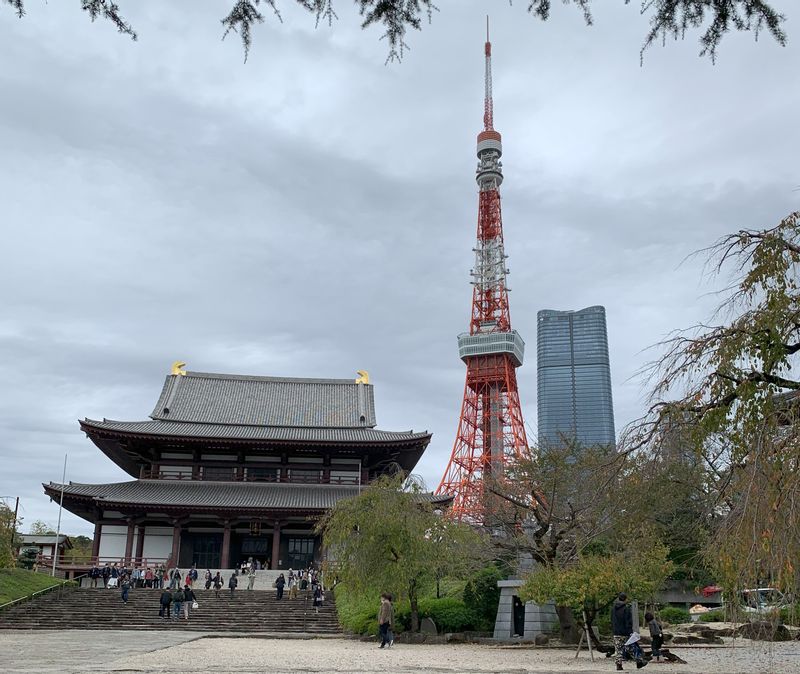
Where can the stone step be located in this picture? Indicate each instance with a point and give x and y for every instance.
(245, 611)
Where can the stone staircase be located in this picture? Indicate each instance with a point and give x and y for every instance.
(245, 612)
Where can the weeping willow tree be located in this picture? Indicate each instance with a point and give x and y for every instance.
(727, 395)
(668, 18)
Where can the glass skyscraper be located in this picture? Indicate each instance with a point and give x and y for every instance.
(574, 378)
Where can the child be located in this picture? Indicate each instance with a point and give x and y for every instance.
(656, 635)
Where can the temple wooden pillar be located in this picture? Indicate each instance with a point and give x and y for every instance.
(129, 541)
(225, 556)
(276, 544)
(96, 540)
(140, 544)
(176, 542)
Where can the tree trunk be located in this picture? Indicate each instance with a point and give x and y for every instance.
(412, 599)
(569, 632)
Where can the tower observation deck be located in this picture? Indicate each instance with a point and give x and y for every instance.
(491, 432)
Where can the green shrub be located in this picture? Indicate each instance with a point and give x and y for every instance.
(603, 623)
(790, 615)
(482, 596)
(715, 616)
(357, 614)
(449, 614)
(674, 615)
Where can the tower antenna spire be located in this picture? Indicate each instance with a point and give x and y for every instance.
(488, 106)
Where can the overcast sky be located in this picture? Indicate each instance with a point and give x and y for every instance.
(312, 212)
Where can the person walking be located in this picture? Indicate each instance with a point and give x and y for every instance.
(175, 579)
(319, 597)
(126, 588)
(385, 620)
(188, 599)
(279, 584)
(656, 635)
(251, 578)
(622, 628)
(177, 603)
(218, 583)
(165, 601)
(209, 579)
(233, 582)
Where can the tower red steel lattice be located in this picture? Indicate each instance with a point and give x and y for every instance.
(491, 432)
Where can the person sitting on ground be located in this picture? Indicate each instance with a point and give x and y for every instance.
(165, 601)
(177, 603)
(188, 599)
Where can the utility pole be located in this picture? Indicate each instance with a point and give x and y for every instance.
(60, 508)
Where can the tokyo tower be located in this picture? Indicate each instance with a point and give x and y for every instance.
(491, 432)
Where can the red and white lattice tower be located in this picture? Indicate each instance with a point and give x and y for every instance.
(491, 432)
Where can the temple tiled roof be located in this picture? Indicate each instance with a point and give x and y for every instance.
(200, 397)
(157, 427)
(200, 495)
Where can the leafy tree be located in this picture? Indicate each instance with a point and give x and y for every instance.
(731, 391)
(27, 558)
(563, 503)
(668, 18)
(81, 549)
(8, 528)
(590, 583)
(482, 596)
(40, 528)
(390, 540)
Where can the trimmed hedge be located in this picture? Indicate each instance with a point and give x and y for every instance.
(674, 615)
(360, 615)
(715, 616)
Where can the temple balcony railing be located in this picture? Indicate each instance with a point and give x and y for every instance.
(224, 476)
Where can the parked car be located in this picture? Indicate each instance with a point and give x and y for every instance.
(763, 600)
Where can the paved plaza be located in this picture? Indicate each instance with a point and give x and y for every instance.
(179, 652)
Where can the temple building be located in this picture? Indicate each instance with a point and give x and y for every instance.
(230, 467)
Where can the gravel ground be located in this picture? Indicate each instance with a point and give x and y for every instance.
(246, 656)
(145, 652)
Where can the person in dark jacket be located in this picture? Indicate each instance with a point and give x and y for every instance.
(218, 583)
(233, 582)
(165, 601)
(622, 627)
(126, 588)
(188, 599)
(177, 603)
(656, 635)
(279, 583)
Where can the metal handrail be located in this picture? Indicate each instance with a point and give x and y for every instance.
(60, 585)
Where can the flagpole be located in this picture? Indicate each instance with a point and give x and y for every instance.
(60, 507)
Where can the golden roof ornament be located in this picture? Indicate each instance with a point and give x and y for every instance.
(177, 368)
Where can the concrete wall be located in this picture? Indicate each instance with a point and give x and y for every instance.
(539, 619)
